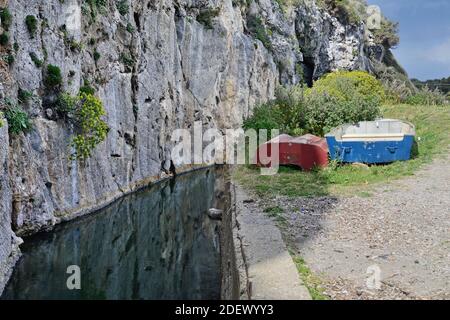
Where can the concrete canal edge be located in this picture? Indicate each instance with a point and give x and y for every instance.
(266, 269)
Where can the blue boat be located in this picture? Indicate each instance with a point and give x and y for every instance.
(371, 142)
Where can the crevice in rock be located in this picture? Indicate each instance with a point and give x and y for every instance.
(137, 20)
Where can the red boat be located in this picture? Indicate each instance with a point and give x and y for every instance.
(306, 152)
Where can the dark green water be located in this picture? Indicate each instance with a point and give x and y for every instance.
(158, 243)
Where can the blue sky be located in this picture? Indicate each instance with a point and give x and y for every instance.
(424, 49)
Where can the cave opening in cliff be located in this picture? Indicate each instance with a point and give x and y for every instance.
(308, 70)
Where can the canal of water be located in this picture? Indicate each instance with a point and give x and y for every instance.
(158, 243)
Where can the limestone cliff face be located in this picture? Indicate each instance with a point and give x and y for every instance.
(9, 243)
(158, 66)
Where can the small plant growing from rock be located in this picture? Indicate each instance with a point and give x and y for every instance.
(18, 120)
(127, 60)
(4, 39)
(65, 104)
(8, 58)
(97, 55)
(6, 18)
(87, 89)
(93, 7)
(36, 60)
(206, 17)
(24, 96)
(259, 31)
(31, 23)
(84, 112)
(53, 79)
(123, 7)
(130, 28)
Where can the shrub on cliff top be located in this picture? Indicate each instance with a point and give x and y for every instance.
(387, 34)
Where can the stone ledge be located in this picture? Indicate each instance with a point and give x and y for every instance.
(269, 271)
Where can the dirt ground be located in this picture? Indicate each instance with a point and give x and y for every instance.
(398, 239)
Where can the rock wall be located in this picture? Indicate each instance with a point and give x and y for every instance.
(158, 66)
(9, 243)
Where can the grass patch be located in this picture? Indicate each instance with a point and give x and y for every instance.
(311, 281)
(432, 127)
(275, 213)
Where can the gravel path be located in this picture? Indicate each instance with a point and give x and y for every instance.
(402, 231)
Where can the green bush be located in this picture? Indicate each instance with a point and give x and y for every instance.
(325, 112)
(53, 79)
(342, 97)
(337, 98)
(92, 130)
(18, 120)
(344, 84)
(285, 112)
(6, 18)
(85, 113)
(31, 23)
(265, 116)
(291, 105)
(4, 39)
